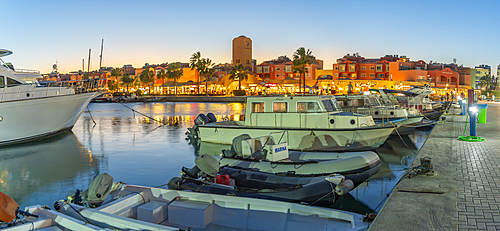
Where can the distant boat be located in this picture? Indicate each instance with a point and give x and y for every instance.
(29, 112)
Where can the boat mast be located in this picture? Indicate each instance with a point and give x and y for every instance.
(100, 62)
(88, 71)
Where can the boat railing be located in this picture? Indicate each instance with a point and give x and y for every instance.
(26, 71)
(28, 91)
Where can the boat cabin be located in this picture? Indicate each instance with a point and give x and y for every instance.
(370, 105)
(301, 112)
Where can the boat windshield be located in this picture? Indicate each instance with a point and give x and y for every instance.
(330, 104)
(374, 101)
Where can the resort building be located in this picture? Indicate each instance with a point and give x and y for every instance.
(481, 71)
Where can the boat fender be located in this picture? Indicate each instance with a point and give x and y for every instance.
(344, 187)
(211, 117)
(8, 208)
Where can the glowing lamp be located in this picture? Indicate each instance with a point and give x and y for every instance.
(473, 109)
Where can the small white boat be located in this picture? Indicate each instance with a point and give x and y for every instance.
(146, 208)
(42, 218)
(29, 112)
(311, 123)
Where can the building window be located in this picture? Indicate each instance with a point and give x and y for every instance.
(386, 68)
(308, 107)
(266, 69)
(343, 75)
(288, 68)
(372, 68)
(379, 68)
(372, 75)
(381, 76)
(278, 69)
(248, 61)
(237, 61)
(257, 107)
(336, 74)
(336, 68)
(259, 69)
(352, 67)
(278, 75)
(363, 68)
(280, 107)
(363, 75)
(342, 67)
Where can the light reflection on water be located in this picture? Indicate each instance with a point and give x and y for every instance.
(138, 150)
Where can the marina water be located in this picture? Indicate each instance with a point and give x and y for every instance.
(150, 150)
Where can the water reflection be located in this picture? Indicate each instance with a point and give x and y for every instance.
(31, 172)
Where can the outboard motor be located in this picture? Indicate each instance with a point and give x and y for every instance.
(236, 149)
(211, 117)
(205, 165)
(99, 189)
(200, 119)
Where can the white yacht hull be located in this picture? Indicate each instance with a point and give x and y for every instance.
(305, 139)
(29, 119)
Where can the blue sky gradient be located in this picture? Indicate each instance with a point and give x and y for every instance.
(134, 32)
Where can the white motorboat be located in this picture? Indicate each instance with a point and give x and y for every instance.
(146, 208)
(311, 123)
(29, 112)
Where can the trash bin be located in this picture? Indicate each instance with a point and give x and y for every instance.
(481, 113)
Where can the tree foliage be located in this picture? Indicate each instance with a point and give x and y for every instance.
(146, 77)
(301, 58)
(174, 72)
(238, 72)
(195, 63)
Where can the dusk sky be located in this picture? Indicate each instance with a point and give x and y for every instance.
(137, 32)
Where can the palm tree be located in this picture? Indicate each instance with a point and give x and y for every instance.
(239, 73)
(174, 72)
(116, 72)
(486, 82)
(146, 77)
(195, 63)
(301, 58)
(207, 71)
(127, 80)
(162, 75)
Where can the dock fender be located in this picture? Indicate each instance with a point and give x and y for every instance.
(344, 187)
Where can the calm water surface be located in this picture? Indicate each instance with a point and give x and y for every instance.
(135, 149)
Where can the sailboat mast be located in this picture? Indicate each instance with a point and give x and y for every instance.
(100, 62)
(88, 70)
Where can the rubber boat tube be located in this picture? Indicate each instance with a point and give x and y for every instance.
(323, 193)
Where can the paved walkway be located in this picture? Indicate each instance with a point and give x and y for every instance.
(465, 192)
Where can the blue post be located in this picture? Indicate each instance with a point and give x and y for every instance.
(464, 108)
(472, 115)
